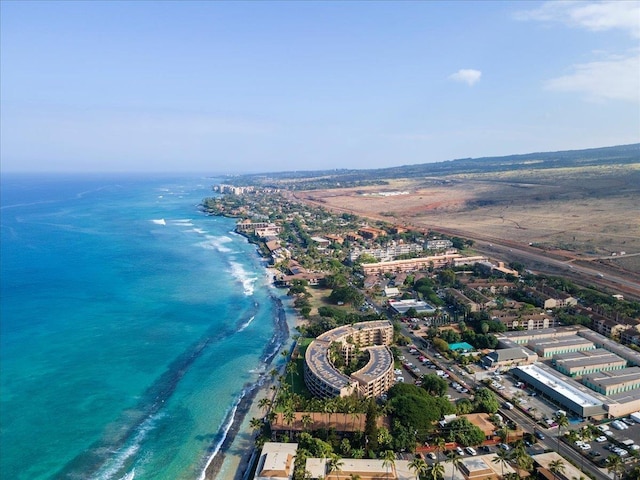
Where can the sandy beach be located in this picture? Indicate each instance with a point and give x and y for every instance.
(232, 461)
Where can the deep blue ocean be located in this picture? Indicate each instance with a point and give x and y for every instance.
(130, 325)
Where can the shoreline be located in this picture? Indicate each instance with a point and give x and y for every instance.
(231, 461)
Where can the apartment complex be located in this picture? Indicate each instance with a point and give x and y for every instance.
(324, 380)
(410, 265)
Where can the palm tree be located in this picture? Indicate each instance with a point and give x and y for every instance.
(563, 422)
(419, 467)
(388, 460)
(502, 458)
(455, 460)
(439, 444)
(265, 403)
(614, 465)
(357, 453)
(306, 421)
(289, 417)
(292, 369)
(256, 424)
(335, 464)
(521, 457)
(329, 408)
(435, 471)
(556, 466)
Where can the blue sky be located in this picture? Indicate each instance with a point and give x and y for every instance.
(266, 86)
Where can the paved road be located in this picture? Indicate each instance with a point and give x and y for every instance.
(551, 442)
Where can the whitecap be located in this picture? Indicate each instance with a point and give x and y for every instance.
(246, 324)
(114, 465)
(216, 243)
(160, 221)
(239, 273)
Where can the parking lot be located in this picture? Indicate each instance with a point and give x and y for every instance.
(621, 438)
(416, 363)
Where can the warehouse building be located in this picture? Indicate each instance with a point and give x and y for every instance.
(614, 382)
(509, 357)
(523, 337)
(548, 347)
(577, 364)
(562, 390)
(600, 341)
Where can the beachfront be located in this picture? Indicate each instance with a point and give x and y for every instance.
(233, 459)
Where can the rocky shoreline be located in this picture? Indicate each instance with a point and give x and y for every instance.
(233, 458)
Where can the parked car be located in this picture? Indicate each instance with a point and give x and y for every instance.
(505, 447)
(459, 451)
(471, 451)
(432, 456)
(601, 439)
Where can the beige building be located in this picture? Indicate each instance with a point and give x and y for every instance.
(276, 461)
(409, 265)
(543, 463)
(324, 380)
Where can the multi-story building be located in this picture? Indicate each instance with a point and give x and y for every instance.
(324, 380)
(413, 264)
(438, 244)
(388, 253)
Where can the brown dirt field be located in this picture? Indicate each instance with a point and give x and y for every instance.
(585, 212)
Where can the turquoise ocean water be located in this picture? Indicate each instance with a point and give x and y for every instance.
(130, 325)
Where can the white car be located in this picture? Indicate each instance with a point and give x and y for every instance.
(505, 447)
(459, 451)
(601, 439)
(585, 446)
(471, 451)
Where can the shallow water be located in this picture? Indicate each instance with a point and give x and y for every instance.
(130, 325)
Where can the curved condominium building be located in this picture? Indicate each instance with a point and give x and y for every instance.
(375, 378)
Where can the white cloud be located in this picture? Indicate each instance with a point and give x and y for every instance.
(594, 16)
(468, 76)
(610, 79)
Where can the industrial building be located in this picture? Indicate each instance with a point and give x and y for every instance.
(509, 357)
(577, 364)
(523, 337)
(614, 382)
(548, 347)
(562, 390)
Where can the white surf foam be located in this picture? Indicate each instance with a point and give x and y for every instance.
(130, 475)
(246, 324)
(225, 431)
(216, 243)
(160, 221)
(114, 465)
(240, 274)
